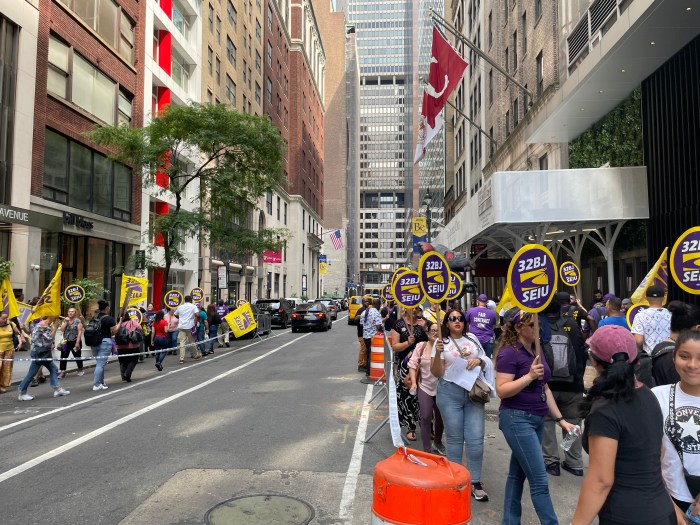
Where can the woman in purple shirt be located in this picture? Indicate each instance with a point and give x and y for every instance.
(521, 384)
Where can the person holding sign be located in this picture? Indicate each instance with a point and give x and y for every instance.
(72, 329)
(521, 384)
(458, 360)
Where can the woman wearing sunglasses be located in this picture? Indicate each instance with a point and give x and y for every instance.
(451, 359)
(623, 436)
(521, 384)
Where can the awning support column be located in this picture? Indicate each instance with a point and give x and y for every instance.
(607, 246)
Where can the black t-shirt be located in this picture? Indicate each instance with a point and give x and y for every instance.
(106, 323)
(360, 311)
(577, 313)
(663, 369)
(391, 320)
(638, 495)
(401, 328)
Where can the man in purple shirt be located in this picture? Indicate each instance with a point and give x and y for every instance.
(221, 311)
(482, 321)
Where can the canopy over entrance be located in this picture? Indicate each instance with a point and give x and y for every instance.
(560, 209)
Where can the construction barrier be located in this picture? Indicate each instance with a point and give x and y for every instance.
(376, 362)
(417, 488)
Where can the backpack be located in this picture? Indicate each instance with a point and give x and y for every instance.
(93, 331)
(559, 353)
(122, 336)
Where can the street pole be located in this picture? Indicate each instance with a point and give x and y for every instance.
(427, 213)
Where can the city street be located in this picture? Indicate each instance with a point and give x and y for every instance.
(278, 416)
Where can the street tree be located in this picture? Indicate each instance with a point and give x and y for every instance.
(234, 157)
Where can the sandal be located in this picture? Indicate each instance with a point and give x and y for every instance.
(411, 433)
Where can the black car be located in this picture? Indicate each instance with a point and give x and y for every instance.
(311, 315)
(332, 306)
(280, 310)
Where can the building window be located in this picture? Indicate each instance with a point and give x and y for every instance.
(506, 66)
(231, 90)
(181, 22)
(218, 29)
(538, 9)
(505, 12)
(8, 65)
(258, 30)
(490, 26)
(89, 88)
(515, 50)
(210, 60)
(269, 54)
(285, 213)
(490, 87)
(543, 162)
(258, 62)
(179, 71)
(279, 207)
(211, 19)
(257, 93)
(269, 90)
(268, 202)
(540, 74)
(245, 72)
(507, 123)
(515, 112)
(231, 54)
(108, 20)
(232, 15)
(269, 17)
(85, 179)
(218, 71)
(524, 34)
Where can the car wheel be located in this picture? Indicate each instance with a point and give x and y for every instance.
(284, 324)
(294, 330)
(325, 328)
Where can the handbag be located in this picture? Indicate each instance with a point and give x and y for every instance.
(480, 391)
(691, 480)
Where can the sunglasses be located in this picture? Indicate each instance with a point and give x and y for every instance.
(456, 319)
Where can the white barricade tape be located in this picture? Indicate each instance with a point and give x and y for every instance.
(394, 413)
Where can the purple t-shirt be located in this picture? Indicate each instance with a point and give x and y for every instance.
(221, 311)
(481, 321)
(518, 362)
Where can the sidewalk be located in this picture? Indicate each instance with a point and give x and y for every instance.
(20, 368)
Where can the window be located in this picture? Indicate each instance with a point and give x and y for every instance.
(85, 179)
(507, 123)
(543, 162)
(538, 9)
(231, 90)
(507, 63)
(231, 55)
(180, 21)
(269, 90)
(179, 71)
(505, 11)
(540, 74)
(258, 30)
(285, 213)
(258, 62)
(257, 93)
(232, 15)
(269, 17)
(218, 29)
(490, 86)
(210, 60)
(9, 66)
(515, 50)
(269, 54)
(245, 72)
(107, 18)
(523, 43)
(89, 88)
(211, 19)
(490, 28)
(515, 112)
(268, 202)
(279, 207)
(218, 71)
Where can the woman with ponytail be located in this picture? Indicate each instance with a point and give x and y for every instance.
(622, 436)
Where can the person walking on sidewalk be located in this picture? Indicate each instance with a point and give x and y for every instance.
(214, 322)
(173, 323)
(128, 344)
(362, 355)
(42, 335)
(101, 353)
(72, 328)
(223, 333)
(186, 314)
(160, 338)
(371, 321)
(7, 350)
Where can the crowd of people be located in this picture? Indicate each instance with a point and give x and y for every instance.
(189, 327)
(638, 421)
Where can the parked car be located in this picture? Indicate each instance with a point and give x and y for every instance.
(332, 306)
(294, 301)
(280, 310)
(311, 316)
(262, 321)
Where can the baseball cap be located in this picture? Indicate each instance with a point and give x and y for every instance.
(655, 291)
(482, 298)
(610, 340)
(626, 301)
(608, 296)
(564, 298)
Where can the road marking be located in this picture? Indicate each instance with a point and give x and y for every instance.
(346, 502)
(98, 432)
(136, 385)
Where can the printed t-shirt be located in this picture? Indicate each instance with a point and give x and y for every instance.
(518, 362)
(481, 321)
(466, 349)
(638, 494)
(686, 428)
(654, 324)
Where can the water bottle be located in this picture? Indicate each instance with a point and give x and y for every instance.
(569, 439)
(689, 518)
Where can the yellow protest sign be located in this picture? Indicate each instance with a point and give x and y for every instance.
(138, 287)
(241, 320)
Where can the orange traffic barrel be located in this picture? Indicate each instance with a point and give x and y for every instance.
(376, 358)
(417, 488)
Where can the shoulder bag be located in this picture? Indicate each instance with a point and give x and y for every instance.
(480, 392)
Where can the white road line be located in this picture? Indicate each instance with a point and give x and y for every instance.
(98, 432)
(136, 385)
(348, 498)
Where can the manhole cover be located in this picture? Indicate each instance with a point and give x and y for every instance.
(264, 508)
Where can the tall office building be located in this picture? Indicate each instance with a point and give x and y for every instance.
(384, 36)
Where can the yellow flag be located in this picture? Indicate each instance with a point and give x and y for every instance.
(138, 287)
(507, 301)
(657, 276)
(50, 301)
(9, 303)
(241, 320)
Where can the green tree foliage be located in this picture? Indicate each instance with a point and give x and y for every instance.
(94, 290)
(5, 268)
(235, 157)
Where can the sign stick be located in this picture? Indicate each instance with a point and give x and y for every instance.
(536, 329)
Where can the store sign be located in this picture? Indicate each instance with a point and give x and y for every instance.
(270, 256)
(222, 277)
(73, 219)
(15, 215)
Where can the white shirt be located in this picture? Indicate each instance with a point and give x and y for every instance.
(688, 421)
(467, 348)
(186, 313)
(654, 324)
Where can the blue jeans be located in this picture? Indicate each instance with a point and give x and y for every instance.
(172, 341)
(523, 433)
(160, 344)
(488, 348)
(464, 422)
(101, 354)
(213, 330)
(201, 345)
(34, 367)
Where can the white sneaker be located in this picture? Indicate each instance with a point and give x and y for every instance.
(61, 392)
(99, 387)
(81, 373)
(25, 397)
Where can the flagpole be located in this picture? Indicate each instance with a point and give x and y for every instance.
(495, 144)
(446, 25)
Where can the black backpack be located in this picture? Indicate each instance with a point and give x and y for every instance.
(122, 336)
(559, 353)
(93, 331)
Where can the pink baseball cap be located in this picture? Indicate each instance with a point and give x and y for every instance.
(610, 340)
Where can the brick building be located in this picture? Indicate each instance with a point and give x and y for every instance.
(89, 71)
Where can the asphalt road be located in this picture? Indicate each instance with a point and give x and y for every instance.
(278, 416)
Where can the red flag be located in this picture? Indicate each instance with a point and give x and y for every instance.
(446, 70)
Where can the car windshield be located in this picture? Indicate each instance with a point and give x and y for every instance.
(357, 300)
(317, 307)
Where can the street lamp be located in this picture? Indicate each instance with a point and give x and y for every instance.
(428, 199)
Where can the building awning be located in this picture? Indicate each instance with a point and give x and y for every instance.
(608, 53)
(514, 208)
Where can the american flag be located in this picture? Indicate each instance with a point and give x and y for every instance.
(336, 239)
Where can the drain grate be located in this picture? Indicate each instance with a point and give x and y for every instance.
(270, 509)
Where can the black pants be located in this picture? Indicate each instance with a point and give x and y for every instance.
(70, 347)
(127, 364)
(368, 346)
